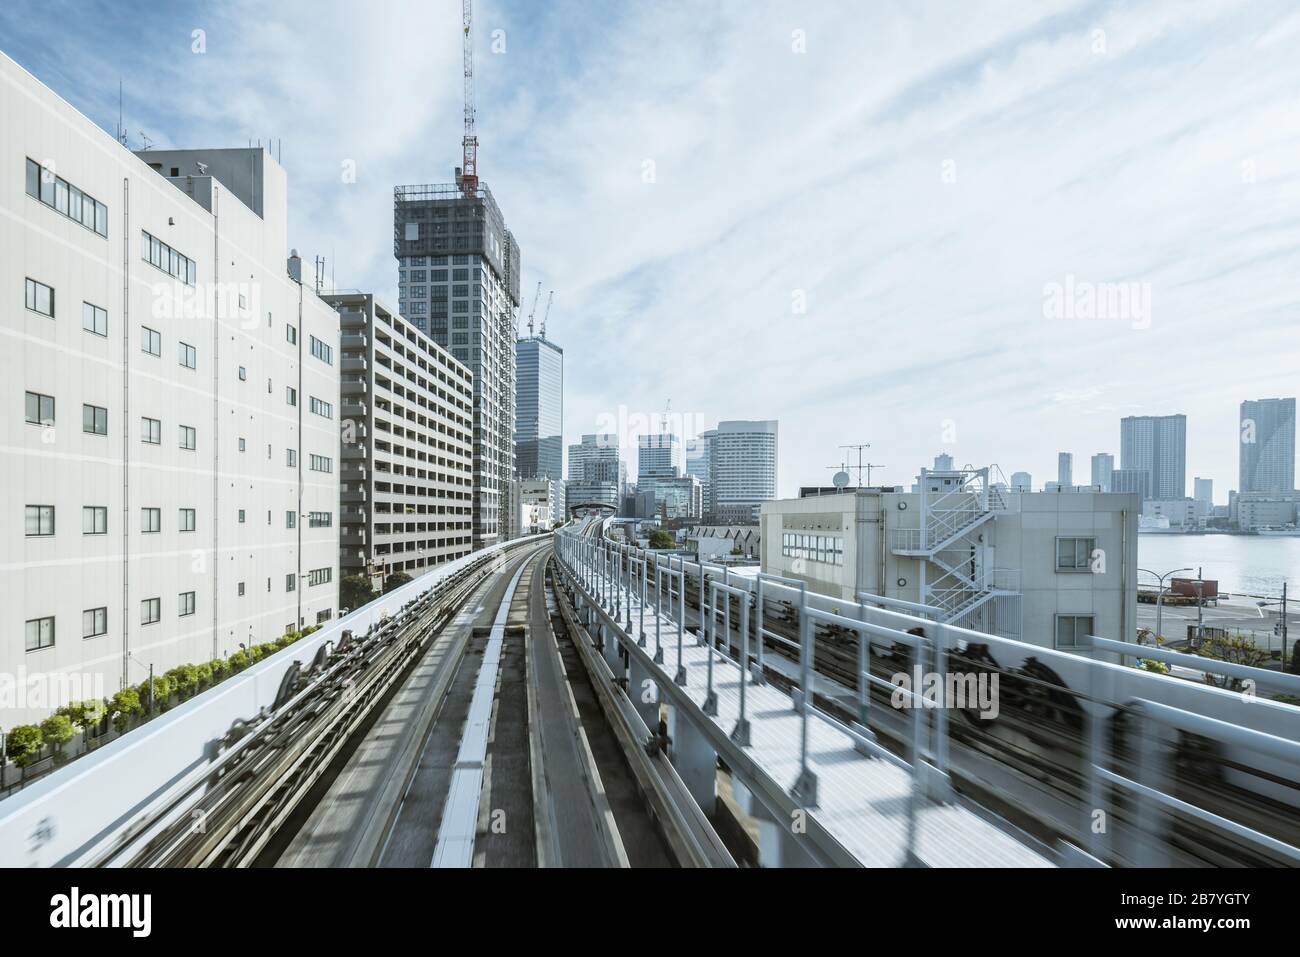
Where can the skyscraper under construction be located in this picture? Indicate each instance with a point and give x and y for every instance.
(458, 282)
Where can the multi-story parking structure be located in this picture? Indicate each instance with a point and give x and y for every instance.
(406, 445)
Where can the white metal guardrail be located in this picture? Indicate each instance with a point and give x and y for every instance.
(612, 572)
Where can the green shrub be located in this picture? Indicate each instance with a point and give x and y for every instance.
(203, 675)
(23, 744)
(83, 714)
(124, 704)
(239, 661)
(220, 669)
(180, 679)
(56, 731)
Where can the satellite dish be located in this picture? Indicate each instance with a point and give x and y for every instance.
(840, 480)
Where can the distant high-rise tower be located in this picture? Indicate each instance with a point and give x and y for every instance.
(943, 462)
(1267, 441)
(742, 470)
(658, 456)
(1022, 482)
(1203, 490)
(1103, 463)
(1065, 469)
(539, 408)
(458, 282)
(1157, 445)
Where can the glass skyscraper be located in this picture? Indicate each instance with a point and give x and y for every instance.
(539, 408)
(1157, 445)
(1267, 440)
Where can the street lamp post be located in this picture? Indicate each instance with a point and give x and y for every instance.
(1160, 594)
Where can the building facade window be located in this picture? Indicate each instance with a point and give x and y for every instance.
(189, 438)
(94, 520)
(320, 519)
(150, 341)
(150, 611)
(151, 520)
(187, 355)
(1074, 554)
(39, 298)
(321, 351)
(40, 633)
(158, 254)
(321, 463)
(1071, 630)
(40, 521)
(291, 457)
(94, 419)
(94, 319)
(322, 408)
(320, 576)
(63, 197)
(290, 334)
(40, 408)
(290, 395)
(185, 604)
(94, 622)
(151, 431)
(290, 519)
(291, 582)
(188, 518)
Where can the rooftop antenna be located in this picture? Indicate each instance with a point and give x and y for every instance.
(549, 299)
(144, 139)
(860, 447)
(121, 136)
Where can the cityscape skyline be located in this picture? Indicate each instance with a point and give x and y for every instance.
(1088, 372)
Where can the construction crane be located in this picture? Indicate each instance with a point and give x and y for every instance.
(549, 299)
(469, 159)
(537, 295)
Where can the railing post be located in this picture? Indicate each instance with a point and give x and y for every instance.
(659, 613)
(641, 608)
(758, 665)
(710, 706)
(1096, 727)
(680, 677)
(805, 788)
(740, 733)
(700, 639)
(1151, 841)
(940, 787)
(910, 858)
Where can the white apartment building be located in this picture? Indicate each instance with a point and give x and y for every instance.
(1040, 567)
(742, 459)
(171, 493)
(406, 445)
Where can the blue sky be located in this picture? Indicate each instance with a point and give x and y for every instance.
(847, 216)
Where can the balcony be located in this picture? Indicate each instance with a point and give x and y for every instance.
(353, 496)
(354, 340)
(353, 386)
(355, 410)
(354, 453)
(352, 537)
(352, 516)
(353, 472)
(354, 364)
(352, 319)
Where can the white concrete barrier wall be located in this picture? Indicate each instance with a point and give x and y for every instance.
(49, 822)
